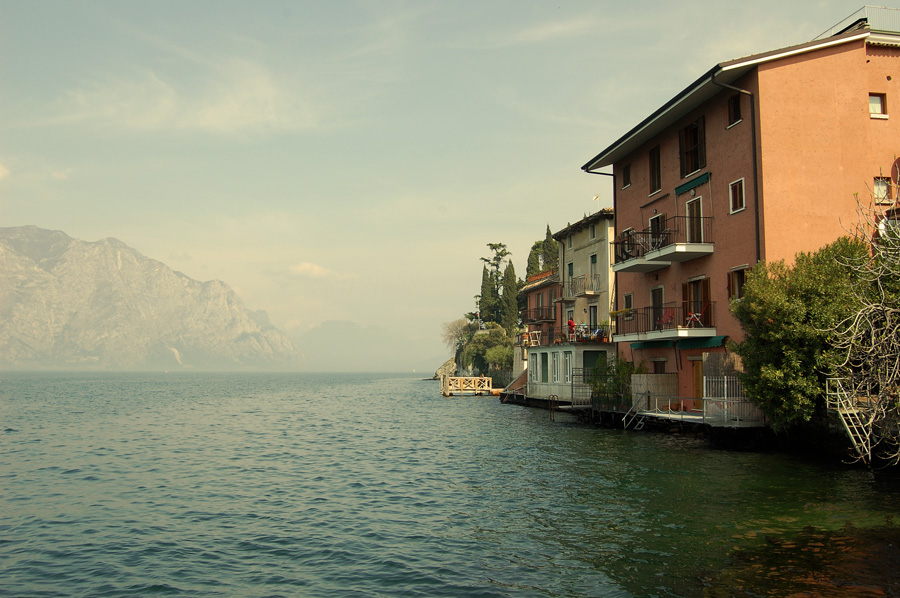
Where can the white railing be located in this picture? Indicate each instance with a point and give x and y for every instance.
(726, 405)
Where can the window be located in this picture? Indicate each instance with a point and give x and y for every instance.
(655, 172)
(736, 280)
(734, 109)
(659, 235)
(692, 147)
(571, 268)
(569, 242)
(534, 367)
(659, 366)
(544, 367)
(736, 192)
(878, 105)
(556, 366)
(696, 304)
(593, 264)
(593, 231)
(694, 213)
(656, 303)
(628, 306)
(626, 176)
(889, 226)
(882, 190)
(568, 365)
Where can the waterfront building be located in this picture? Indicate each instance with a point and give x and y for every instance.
(579, 290)
(758, 159)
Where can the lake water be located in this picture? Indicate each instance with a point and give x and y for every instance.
(362, 485)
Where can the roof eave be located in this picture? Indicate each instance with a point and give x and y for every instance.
(703, 89)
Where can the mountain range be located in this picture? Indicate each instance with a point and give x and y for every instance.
(66, 303)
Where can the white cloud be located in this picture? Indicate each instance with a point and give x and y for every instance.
(235, 96)
(310, 270)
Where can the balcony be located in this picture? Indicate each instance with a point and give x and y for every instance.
(670, 321)
(677, 239)
(587, 285)
(600, 333)
(538, 315)
(630, 249)
(688, 238)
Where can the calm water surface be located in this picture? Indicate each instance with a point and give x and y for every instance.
(360, 485)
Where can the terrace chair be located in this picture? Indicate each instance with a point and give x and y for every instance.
(696, 317)
(666, 319)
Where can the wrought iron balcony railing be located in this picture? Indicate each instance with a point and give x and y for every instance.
(666, 317)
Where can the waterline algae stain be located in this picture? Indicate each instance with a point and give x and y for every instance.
(360, 485)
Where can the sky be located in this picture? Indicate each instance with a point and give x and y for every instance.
(345, 161)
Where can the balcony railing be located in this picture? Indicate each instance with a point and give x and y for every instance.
(586, 284)
(668, 320)
(679, 239)
(546, 313)
(600, 333)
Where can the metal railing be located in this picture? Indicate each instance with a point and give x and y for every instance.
(546, 313)
(584, 285)
(633, 244)
(726, 405)
(668, 316)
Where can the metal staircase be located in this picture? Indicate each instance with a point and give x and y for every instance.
(856, 419)
(634, 415)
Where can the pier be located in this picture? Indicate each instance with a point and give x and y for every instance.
(460, 386)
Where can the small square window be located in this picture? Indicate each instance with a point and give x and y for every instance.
(882, 190)
(878, 105)
(736, 192)
(734, 109)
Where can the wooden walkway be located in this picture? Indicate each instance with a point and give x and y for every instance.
(458, 386)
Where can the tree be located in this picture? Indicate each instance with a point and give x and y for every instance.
(550, 251)
(457, 333)
(868, 339)
(509, 312)
(487, 301)
(534, 259)
(476, 352)
(788, 315)
(490, 306)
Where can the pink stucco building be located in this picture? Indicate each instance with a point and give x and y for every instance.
(758, 159)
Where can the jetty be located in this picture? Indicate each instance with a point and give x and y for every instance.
(461, 386)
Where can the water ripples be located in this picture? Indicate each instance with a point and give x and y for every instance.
(315, 485)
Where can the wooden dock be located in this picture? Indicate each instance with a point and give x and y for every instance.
(460, 386)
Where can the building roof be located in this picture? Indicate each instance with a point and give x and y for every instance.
(877, 25)
(541, 279)
(604, 214)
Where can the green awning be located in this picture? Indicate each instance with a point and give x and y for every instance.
(652, 344)
(701, 343)
(703, 178)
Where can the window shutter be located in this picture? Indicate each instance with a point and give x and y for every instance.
(682, 147)
(701, 139)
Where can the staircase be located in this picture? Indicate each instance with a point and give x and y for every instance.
(856, 420)
(634, 415)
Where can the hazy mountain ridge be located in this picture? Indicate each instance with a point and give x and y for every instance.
(66, 303)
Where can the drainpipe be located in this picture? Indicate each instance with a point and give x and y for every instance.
(615, 228)
(712, 80)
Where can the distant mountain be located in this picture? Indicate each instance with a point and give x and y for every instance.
(66, 303)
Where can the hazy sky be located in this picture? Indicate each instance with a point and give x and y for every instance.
(344, 160)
